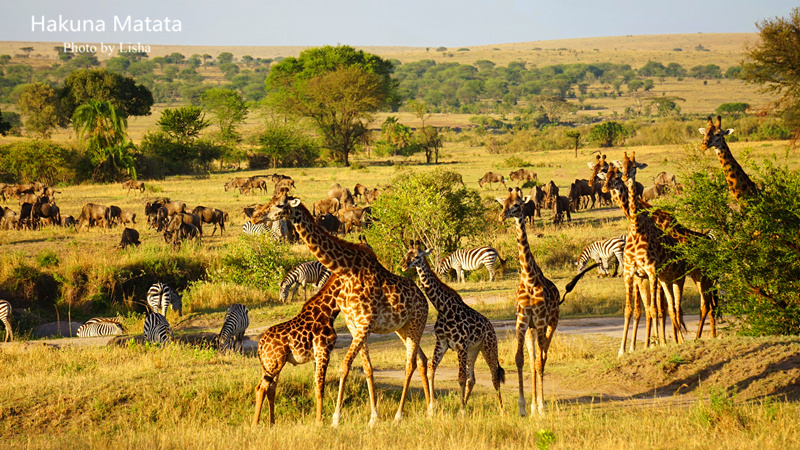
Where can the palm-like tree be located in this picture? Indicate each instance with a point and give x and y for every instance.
(103, 128)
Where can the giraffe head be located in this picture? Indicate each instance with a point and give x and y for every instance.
(415, 256)
(714, 135)
(629, 166)
(513, 205)
(599, 166)
(284, 207)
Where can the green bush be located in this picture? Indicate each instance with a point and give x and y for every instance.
(254, 261)
(39, 160)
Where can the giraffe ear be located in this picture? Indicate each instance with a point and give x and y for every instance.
(602, 175)
(591, 165)
(502, 201)
(294, 203)
(702, 131)
(641, 165)
(728, 132)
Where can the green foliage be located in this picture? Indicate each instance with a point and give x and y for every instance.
(608, 133)
(733, 108)
(183, 124)
(39, 104)
(755, 248)
(99, 123)
(178, 157)
(5, 125)
(229, 110)
(283, 145)
(255, 261)
(45, 161)
(432, 206)
(129, 98)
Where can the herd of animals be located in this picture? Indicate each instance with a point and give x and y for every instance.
(372, 299)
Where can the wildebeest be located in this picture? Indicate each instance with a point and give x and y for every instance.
(9, 219)
(277, 178)
(522, 175)
(561, 206)
(655, 191)
(550, 193)
(189, 218)
(354, 217)
(129, 237)
(491, 177)
(67, 221)
(213, 216)
(360, 191)
(247, 211)
(579, 189)
(151, 208)
(283, 186)
(325, 206)
(28, 197)
(133, 185)
(344, 196)
(252, 184)
(91, 215)
(113, 215)
(127, 218)
(666, 179)
(48, 211)
(372, 195)
(537, 196)
(177, 232)
(235, 183)
(329, 222)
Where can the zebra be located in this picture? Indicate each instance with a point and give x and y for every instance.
(5, 314)
(311, 272)
(160, 296)
(471, 259)
(233, 328)
(601, 252)
(254, 229)
(100, 326)
(157, 329)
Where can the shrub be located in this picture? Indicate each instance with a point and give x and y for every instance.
(254, 261)
(43, 161)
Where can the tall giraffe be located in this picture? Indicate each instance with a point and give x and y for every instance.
(537, 305)
(740, 185)
(458, 327)
(648, 254)
(309, 335)
(373, 300)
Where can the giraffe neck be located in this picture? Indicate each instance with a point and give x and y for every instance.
(528, 266)
(441, 296)
(739, 183)
(335, 254)
(632, 206)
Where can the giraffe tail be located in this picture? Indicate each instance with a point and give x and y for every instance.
(571, 284)
(501, 374)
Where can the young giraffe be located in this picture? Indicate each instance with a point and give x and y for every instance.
(372, 299)
(308, 336)
(458, 327)
(648, 255)
(537, 305)
(740, 185)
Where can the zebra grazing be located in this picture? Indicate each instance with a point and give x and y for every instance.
(157, 329)
(233, 328)
(254, 229)
(160, 297)
(101, 326)
(5, 315)
(471, 259)
(601, 252)
(311, 272)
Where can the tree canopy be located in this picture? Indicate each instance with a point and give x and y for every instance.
(337, 88)
(39, 104)
(774, 63)
(127, 97)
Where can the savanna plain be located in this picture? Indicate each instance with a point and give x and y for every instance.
(728, 392)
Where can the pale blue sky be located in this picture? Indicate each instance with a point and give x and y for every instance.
(421, 23)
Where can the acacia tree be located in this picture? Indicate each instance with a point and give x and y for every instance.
(39, 104)
(127, 97)
(774, 63)
(229, 110)
(338, 88)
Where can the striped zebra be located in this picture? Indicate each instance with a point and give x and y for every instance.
(601, 252)
(254, 229)
(101, 326)
(471, 259)
(160, 297)
(233, 328)
(311, 272)
(157, 329)
(5, 315)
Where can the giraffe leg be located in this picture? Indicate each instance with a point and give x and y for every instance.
(461, 352)
(266, 386)
(519, 359)
(344, 370)
(489, 353)
(322, 354)
(412, 349)
(472, 355)
(538, 356)
(658, 300)
(366, 364)
(438, 352)
(629, 281)
(637, 315)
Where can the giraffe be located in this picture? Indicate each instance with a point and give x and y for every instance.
(740, 185)
(537, 303)
(458, 327)
(373, 300)
(308, 336)
(648, 255)
(705, 285)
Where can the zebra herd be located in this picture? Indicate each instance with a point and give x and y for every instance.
(280, 230)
